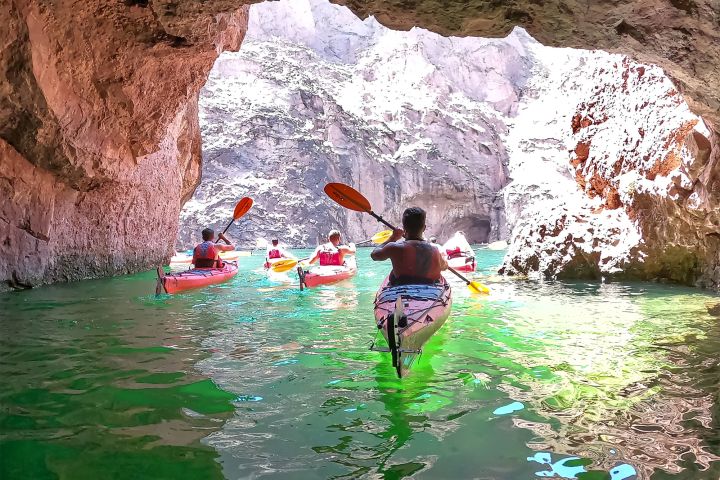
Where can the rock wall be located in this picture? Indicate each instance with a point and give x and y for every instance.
(315, 95)
(636, 197)
(90, 91)
(99, 136)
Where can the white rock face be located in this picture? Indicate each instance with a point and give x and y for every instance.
(569, 150)
(316, 95)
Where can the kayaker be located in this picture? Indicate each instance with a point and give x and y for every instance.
(414, 260)
(207, 253)
(332, 252)
(275, 251)
(458, 246)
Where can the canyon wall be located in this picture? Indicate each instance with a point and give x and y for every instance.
(317, 96)
(626, 195)
(98, 109)
(99, 135)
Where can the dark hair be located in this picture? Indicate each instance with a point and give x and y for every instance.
(208, 234)
(274, 241)
(413, 219)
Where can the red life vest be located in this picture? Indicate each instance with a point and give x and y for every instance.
(205, 255)
(455, 252)
(329, 257)
(274, 253)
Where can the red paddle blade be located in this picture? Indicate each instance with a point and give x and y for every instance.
(242, 207)
(347, 197)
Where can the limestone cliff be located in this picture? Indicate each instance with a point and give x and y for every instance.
(98, 99)
(315, 95)
(627, 197)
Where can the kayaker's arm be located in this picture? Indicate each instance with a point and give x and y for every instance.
(315, 256)
(443, 262)
(286, 254)
(384, 251)
(348, 249)
(224, 248)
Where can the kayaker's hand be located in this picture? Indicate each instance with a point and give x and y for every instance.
(222, 237)
(397, 234)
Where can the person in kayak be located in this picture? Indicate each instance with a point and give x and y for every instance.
(458, 246)
(332, 252)
(207, 253)
(414, 260)
(275, 251)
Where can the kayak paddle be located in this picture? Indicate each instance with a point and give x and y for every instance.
(285, 265)
(242, 207)
(348, 197)
(378, 238)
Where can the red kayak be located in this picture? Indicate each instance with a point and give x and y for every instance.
(463, 264)
(408, 316)
(324, 275)
(194, 278)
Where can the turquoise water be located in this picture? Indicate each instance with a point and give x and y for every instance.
(253, 378)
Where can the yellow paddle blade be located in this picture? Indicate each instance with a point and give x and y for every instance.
(382, 237)
(477, 287)
(283, 265)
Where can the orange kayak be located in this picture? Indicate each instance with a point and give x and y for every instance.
(194, 278)
(324, 275)
(408, 316)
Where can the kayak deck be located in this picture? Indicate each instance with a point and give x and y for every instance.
(463, 264)
(408, 315)
(325, 275)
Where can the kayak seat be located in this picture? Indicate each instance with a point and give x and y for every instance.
(415, 292)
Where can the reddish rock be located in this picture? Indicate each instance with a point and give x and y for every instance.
(99, 136)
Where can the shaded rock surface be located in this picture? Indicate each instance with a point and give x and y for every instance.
(99, 134)
(89, 90)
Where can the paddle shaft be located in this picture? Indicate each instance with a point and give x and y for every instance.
(459, 275)
(381, 220)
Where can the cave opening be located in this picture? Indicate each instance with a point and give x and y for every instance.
(500, 138)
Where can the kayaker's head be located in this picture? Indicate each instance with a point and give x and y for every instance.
(334, 237)
(413, 221)
(208, 234)
(274, 242)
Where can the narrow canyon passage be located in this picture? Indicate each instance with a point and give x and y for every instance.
(572, 193)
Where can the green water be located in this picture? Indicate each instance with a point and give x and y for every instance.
(254, 378)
